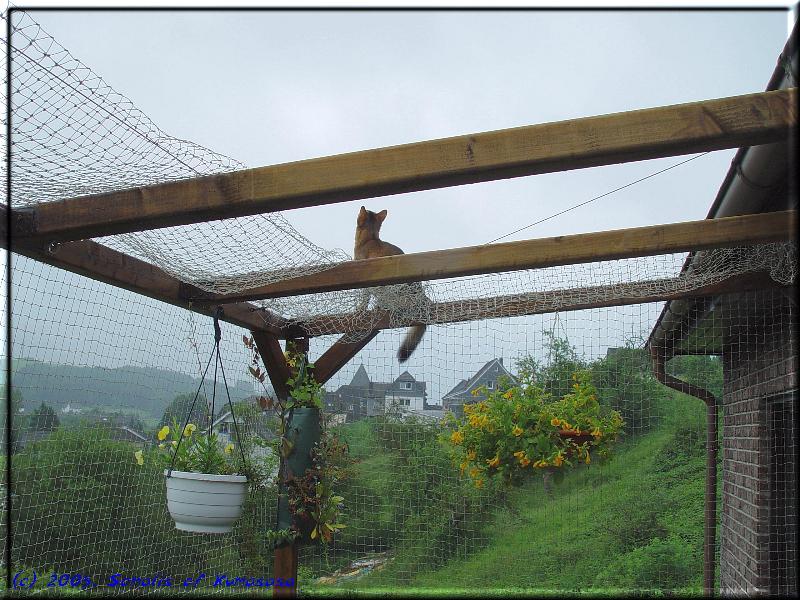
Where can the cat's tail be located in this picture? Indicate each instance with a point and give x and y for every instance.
(410, 343)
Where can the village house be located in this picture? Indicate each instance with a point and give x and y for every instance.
(365, 398)
(490, 375)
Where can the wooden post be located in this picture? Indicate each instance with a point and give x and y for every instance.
(285, 568)
(286, 555)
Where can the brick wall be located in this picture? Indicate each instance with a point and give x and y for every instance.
(760, 362)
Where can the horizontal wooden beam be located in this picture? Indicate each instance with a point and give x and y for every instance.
(517, 305)
(532, 254)
(559, 146)
(101, 263)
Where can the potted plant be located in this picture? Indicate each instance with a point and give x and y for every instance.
(206, 484)
(520, 430)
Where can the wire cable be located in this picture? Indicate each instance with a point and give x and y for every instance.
(566, 210)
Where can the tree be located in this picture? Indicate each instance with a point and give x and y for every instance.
(18, 418)
(702, 371)
(43, 418)
(625, 382)
(555, 377)
(179, 407)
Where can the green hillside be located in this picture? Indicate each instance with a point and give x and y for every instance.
(635, 523)
(146, 389)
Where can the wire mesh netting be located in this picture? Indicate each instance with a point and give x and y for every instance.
(110, 363)
(98, 371)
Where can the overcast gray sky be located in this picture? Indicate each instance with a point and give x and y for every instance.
(268, 87)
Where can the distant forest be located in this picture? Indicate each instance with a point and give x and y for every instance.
(144, 388)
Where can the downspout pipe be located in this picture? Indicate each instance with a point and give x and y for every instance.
(659, 360)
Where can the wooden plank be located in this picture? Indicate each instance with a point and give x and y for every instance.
(338, 355)
(536, 303)
(101, 263)
(532, 254)
(746, 120)
(274, 361)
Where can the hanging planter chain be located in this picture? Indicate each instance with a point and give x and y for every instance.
(217, 364)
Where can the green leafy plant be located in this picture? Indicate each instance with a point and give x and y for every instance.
(183, 450)
(278, 537)
(520, 429)
(316, 508)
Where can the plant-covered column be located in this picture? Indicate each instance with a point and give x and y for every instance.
(308, 509)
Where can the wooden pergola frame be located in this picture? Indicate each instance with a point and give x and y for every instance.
(56, 232)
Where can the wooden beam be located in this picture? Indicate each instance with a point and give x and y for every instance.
(516, 305)
(338, 355)
(101, 263)
(274, 361)
(746, 120)
(532, 254)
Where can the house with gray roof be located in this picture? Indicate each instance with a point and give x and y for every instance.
(363, 397)
(490, 375)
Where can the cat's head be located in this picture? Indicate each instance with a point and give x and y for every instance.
(371, 221)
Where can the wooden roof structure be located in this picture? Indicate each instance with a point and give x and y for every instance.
(56, 232)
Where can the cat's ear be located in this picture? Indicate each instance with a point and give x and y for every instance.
(362, 216)
(381, 215)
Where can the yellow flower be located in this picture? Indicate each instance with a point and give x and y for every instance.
(228, 448)
(558, 460)
(139, 457)
(187, 431)
(479, 483)
(457, 437)
(468, 408)
(597, 433)
(463, 466)
(555, 422)
(588, 458)
(473, 472)
(493, 462)
(474, 420)
(471, 455)
(476, 391)
(163, 433)
(539, 464)
(523, 459)
(509, 394)
(517, 431)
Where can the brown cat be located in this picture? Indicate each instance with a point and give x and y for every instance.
(370, 245)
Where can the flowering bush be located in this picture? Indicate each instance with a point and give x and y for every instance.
(194, 454)
(519, 430)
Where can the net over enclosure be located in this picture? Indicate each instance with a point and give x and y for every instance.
(684, 330)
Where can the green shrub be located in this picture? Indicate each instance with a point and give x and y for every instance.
(83, 505)
(663, 564)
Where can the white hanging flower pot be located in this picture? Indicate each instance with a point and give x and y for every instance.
(203, 503)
